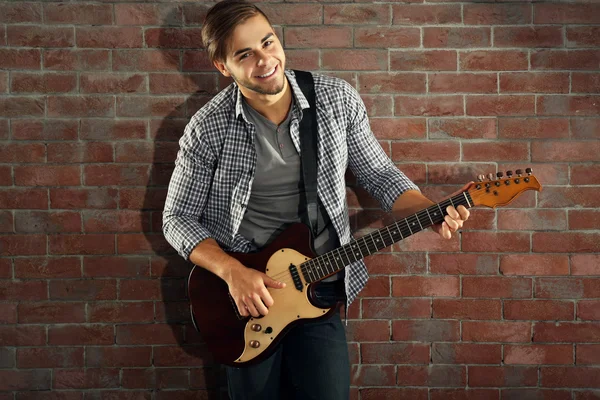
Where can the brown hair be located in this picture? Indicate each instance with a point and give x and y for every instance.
(220, 22)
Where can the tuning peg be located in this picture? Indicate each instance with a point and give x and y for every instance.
(480, 177)
(509, 173)
(491, 176)
(499, 174)
(518, 172)
(528, 171)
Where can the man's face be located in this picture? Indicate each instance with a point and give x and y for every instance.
(255, 58)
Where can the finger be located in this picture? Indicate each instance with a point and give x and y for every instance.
(266, 297)
(445, 231)
(242, 309)
(259, 305)
(464, 212)
(452, 212)
(453, 225)
(251, 309)
(269, 282)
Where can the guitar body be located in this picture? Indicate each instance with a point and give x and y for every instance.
(241, 341)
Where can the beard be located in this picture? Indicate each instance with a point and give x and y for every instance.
(271, 88)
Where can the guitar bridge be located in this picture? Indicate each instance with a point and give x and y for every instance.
(296, 277)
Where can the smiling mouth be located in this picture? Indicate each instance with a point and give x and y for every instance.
(268, 74)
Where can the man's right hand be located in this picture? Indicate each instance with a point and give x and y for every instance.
(248, 288)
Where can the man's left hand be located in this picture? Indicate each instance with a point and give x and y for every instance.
(455, 218)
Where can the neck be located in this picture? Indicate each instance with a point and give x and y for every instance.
(273, 107)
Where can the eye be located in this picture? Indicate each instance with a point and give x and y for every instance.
(268, 43)
(245, 55)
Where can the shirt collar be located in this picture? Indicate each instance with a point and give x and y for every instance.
(297, 93)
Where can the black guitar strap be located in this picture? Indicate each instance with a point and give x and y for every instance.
(308, 145)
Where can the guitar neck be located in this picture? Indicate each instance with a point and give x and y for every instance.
(334, 261)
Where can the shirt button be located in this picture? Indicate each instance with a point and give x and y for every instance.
(281, 146)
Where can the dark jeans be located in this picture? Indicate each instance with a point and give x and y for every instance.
(311, 362)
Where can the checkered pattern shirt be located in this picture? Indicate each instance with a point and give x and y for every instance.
(215, 165)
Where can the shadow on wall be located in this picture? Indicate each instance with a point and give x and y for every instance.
(188, 82)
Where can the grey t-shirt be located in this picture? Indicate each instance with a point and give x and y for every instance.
(277, 195)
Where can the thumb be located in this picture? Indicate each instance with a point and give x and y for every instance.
(269, 282)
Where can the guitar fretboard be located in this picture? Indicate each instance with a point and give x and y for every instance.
(334, 261)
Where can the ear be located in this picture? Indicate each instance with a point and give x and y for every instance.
(220, 65)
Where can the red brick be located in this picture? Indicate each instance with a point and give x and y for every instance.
(429, 105)
(53, 357)
(183, 83)
(139, 289)
(98, 129)
(538, 310)
(19, 59)
(495, 242)
(292, 14)
(102, 289)
(20, 12)
(21, 245)
(154, 60)
(484, 151)
(396, 308)
(586, 395)
(493, 60)
(424, 14)
(112, 83)
(462, 82)
(541, 82)
(88, 378)
(47, 267)
(568, 105)
(565, 59)
(149, 334)
(567, 287)
(116, 221)
(172, 38)
(570, 377)
(583, 82)
(162, 106)
(116, 267)
(48, 175)
(23, 290)
(395, 129)
(80, 106)
(585, 264)
(40, 36)
(584, 219)
(4, 129)
(506, 332)
(368, 331)
(532, 128)
(80, 152)
(133, 175)
(432, 375)
(442, 37)
(459, 264)
(467, 309)
(22, 153)
(31, 198)
(147, 14)
(386, 37)
(78, 14)
(373, 375)
(430, 60)
(46, 130)
(142, 244)
(464, 394)
(82, 244)
(397, 263)
(497, 14)
(583, 36)
(120, 312)
(530, 36)
(109, 37)
(496, 287)
(410, 286)
(51, 312)
(25, 82)
(587, 354)
(382, 82)
(566, 332)
(459, 174)
(194, 13)
(121, 356)
(356, 60)
(567, 242)
(585, 128)
(464, 128)
(178, 356)
(16, 106)
(556, 197)
(47, 221)
(484, 376)
(425, 330)
(15, 335)
(132, 198)
(392, 394)
(507, 105)
(357, 14)
(63, 198)
(80, 335)
(466, 353)
(532, 220)
(538, 354)
(76, 60)
(566, 13)
(534, 264)
(25, 380)
(306, 60)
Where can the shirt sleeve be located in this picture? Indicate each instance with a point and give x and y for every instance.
(372, 167)
(188, 191)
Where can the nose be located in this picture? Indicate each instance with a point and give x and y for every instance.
(261, 58)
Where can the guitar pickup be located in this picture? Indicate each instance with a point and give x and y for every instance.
(296, 277)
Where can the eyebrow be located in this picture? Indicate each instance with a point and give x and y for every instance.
(237, 53)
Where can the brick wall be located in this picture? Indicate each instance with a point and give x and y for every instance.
(93, 97)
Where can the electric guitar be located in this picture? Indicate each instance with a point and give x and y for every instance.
(241, 341)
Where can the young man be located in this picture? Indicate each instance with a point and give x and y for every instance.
(237, 184)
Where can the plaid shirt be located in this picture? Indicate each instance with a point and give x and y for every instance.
(215, 166)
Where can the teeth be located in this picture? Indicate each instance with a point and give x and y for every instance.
(267, 74)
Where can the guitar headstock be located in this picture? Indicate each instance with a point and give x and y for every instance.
(493, 191)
